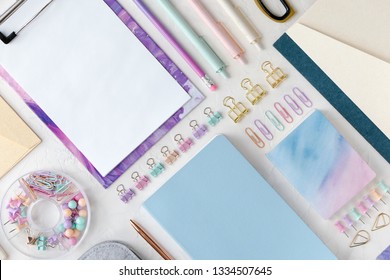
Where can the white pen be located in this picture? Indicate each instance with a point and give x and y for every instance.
(242, 22)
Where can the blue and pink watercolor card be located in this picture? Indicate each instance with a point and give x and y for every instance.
(321, 165)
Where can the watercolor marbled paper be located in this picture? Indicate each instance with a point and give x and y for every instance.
(321, 165)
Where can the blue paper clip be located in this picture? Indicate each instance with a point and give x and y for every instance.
(293, 105)
(198, 131)
(212, 118)
(155, 168)
(125, 195)
(274, 120)
(283, 112)
(302, 96)
(264, 130)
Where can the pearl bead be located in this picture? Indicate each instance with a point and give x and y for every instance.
(72, 204)
(68, 233)
(76, 233)
(72, 241)
(83, 213)
(80, 227)
(67, 224)
(82, 202)
(67, 212)
(80, 221)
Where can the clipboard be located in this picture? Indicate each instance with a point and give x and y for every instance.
(194, 96)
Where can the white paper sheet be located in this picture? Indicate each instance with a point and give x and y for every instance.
(93, 78)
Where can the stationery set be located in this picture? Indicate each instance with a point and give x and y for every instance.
(110, 93)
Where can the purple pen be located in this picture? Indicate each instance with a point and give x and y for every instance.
(161, 28)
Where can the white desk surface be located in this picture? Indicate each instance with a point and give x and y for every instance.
(110, 217)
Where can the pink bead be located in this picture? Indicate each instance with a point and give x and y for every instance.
(72, 241)
(78, 197)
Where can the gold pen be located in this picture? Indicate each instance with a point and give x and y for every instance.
(151, 242)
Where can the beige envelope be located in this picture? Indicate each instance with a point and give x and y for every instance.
(16, 138)
(350, 41)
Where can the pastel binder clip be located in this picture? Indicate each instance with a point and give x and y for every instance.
(302, 97)
(289, 12)
(274, 76)
(198, 130)
(212, 118)
(254, 93)
(264, 130)
(283, 112)
(140, 182)
(274, 120)
(237, 109)
(124, 194)
(155, 168)
(170, 157)
(293, 105)
(183, 144)
(254, 137)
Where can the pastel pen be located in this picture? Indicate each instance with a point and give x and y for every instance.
(242, 22)
(188, 59)
(199, 43)
(219, 31)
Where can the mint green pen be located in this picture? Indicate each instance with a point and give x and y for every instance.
(211, 57)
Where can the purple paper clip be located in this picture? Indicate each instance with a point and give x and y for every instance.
(293, 104)
(283, 112)
(198, 131)
(254, 137)
(125, 195)
(264, 130)
(183, 144)
(140, 182)
(302, 96)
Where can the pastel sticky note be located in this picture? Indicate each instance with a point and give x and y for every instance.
(321, 165)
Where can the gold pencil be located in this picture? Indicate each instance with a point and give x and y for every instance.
(151, 242)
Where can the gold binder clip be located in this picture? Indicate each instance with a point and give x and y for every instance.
(237, 110)
(274, 75)
(254, 92)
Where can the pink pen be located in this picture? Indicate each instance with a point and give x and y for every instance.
(219, 31)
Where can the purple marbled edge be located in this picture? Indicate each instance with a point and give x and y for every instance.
(177, 74)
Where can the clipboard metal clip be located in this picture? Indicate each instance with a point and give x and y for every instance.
(8, 13)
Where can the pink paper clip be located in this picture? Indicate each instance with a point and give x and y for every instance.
(264, 130)
(140, 182)
(283, 112)
(254, 137)
(184, 144)
(302, 96)
(293, 104)
(198, 130)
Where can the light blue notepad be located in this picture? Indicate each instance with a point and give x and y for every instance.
(219, 207)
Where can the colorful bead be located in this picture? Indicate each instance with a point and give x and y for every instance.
(67, 224)
(80, 227)
(68, 233)
(82, 202)
(83, 213)
(80, 221)
(72, 241)
(72, 204)
(67, 213)
(60, 228)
